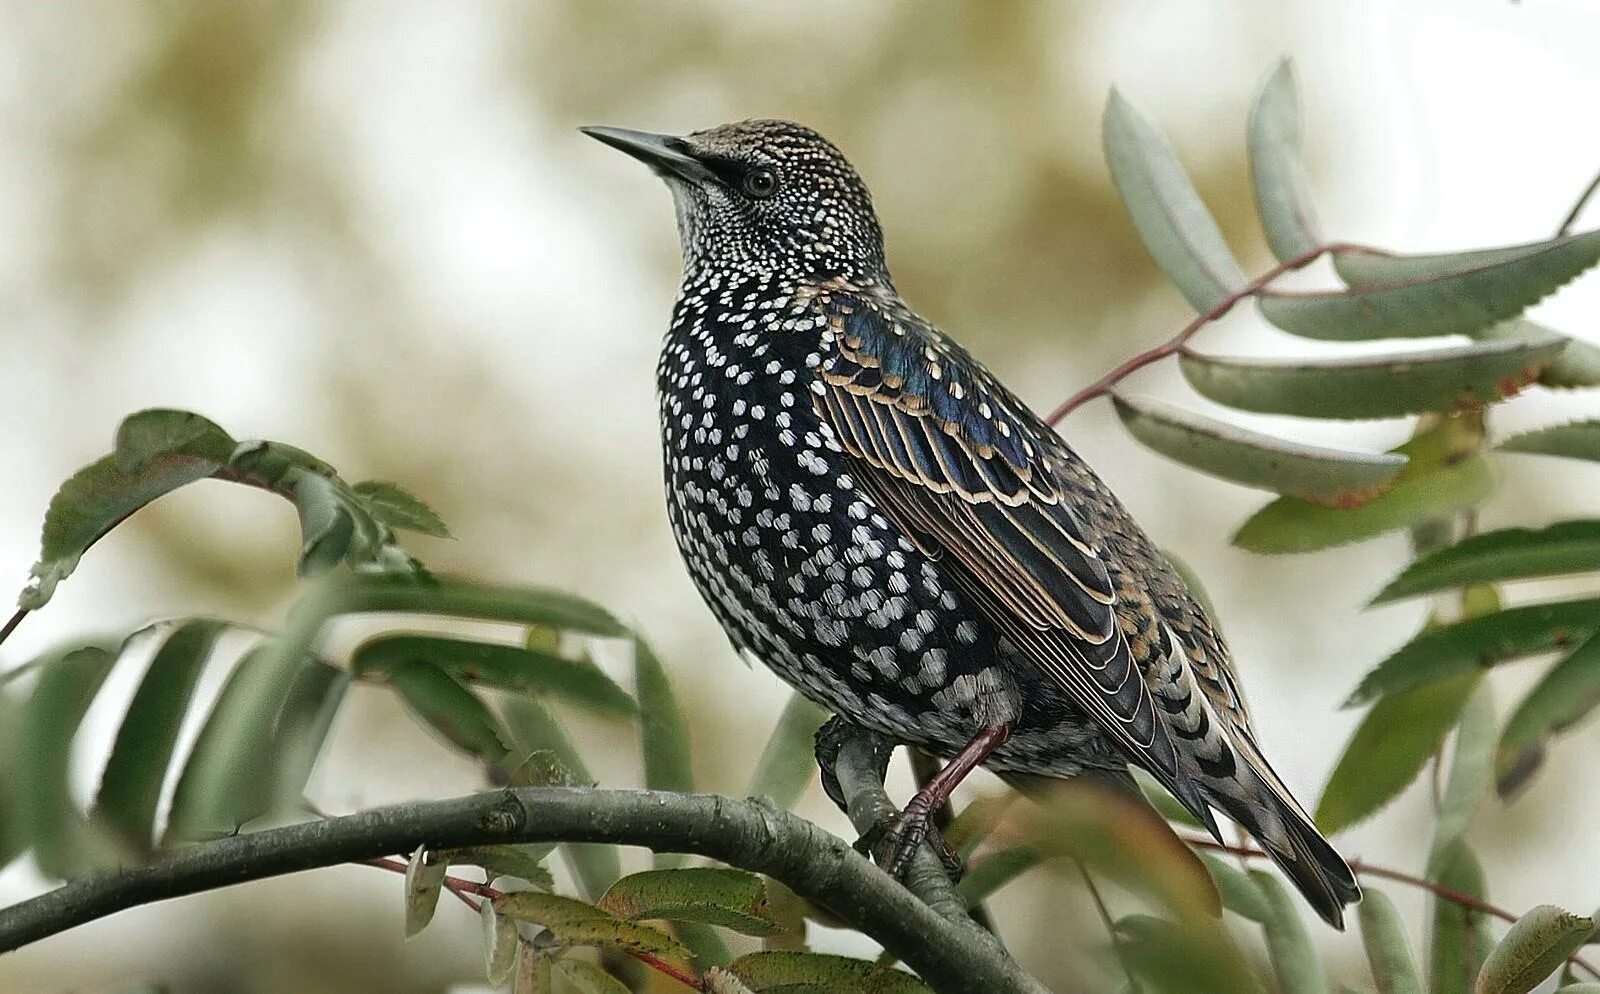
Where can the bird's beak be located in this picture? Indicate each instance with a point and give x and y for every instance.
(668, 155)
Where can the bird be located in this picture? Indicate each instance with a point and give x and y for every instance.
(869, 511)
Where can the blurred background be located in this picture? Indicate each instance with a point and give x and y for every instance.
(370, 229)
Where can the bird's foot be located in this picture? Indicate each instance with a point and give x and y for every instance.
(893, 843)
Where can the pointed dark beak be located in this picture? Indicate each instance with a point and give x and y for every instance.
(666, 154)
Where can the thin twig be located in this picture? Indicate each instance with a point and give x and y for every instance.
(1111, 926)
(1361, 866)
(1175, 345)
(1577, 208)
(11, 626)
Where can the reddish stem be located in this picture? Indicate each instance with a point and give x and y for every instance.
(1103, 385)
(464, 888)
(11, 626)
(1360, 866)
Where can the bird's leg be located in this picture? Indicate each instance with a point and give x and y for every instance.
(901, 838)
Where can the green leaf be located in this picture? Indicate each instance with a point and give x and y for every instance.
(1534, 947)
(1173, 222)
(1471, 771)
(663, 735)
(1183, 958)
(815, 973)
(575, 923)
(1294, 958)
(500, 942)
(397, 508)
(1498, 556)
(326, 527)
(62, 841)
(1322, 475)
(424, 881)
(13, 833)
(787, 764)
(1562, 698)
(1461, 936)
(1290, 524)
(1382, 386)
(277, 464)
(1389, 749)
(92, 502)
(1478, 643)
(1283, 195)
(226, 780)
(148, 435)
(1575, 440)
(444, 704)
(1240, 893)
(586, 978)
(508, 667)
(302, 728)
(433, 594)
(1397, 296)
(1384, 934)
(535, 730)
(130, 787)
(995, 870)
(524, 862)
(1578, 365)
(730, 898)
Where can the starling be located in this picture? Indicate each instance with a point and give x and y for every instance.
(868, 511)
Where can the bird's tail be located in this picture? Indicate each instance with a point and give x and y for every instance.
(1259, 803)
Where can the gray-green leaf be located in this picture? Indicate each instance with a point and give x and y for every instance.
(1494, 557)
(1534, 947)
(398, 508)
(508, 667)
(1283, 195)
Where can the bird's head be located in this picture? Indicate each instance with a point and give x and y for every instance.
(762, 197)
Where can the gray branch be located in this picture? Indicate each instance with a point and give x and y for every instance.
(951, 955)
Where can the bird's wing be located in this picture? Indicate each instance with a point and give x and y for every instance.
(946, 450)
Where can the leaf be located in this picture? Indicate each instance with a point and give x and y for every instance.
(1471, 771)
(1290, 524)
(146, 436)
(523, 862)
(326, 527)
(1391, 385)
(1389, 749)
(1283, 196)
(93, 501)
(533, 972)
(1534, 947)
(1498, 556)
(130, 786)
(1565, 695)
(1183, 958)
(67, 684)
(788, 763)
(730, 898)
(424, 881)
(719, 981)
(449, 708)
(996, 870)
(1578, 365)
(1397, 296)
(1575, 440)
(13, 834)
(1294, 958)
(1478, 643)
(815, 973)
(463, 598)
(500, 942)
(226, 780)
(1173, 222)
(1384, 934)
(508, 667)
(397, 508)
(573, 922)
(586, 978)
(1461, 937)
(302, 728)
(276, 465)
(1321, 475)
(707, 945)
(595, 866)
(1240, 893)
(663, 736)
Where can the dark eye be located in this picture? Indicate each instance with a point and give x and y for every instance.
(759, 183)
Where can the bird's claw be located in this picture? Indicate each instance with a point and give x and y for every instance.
(892, 844)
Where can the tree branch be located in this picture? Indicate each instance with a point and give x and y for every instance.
(746, 834)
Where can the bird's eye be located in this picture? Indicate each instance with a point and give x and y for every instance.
(759, 183)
